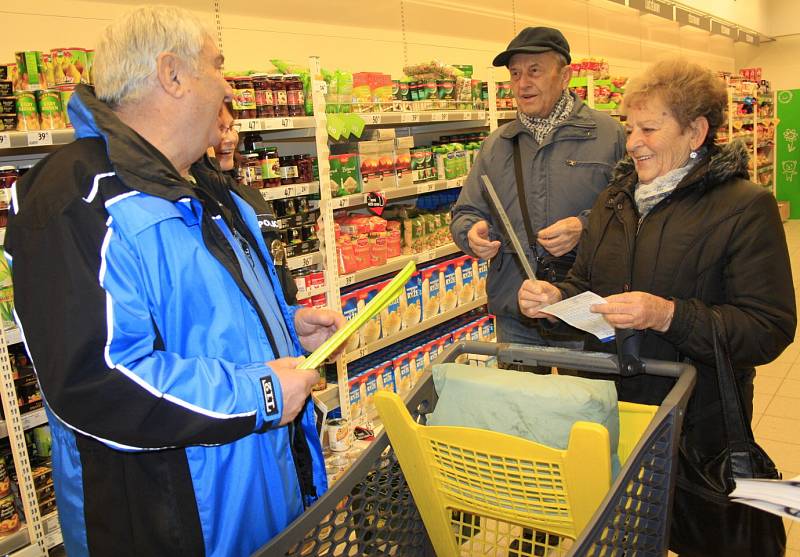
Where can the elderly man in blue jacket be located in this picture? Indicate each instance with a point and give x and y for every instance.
(167, 355)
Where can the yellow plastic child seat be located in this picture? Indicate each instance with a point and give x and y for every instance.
(521, 490)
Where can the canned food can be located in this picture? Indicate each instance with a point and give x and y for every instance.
(338, 435)
(319, 301)
(9, 517)
(5, 480)
(51, 114)
(315, 278)
(301, 281)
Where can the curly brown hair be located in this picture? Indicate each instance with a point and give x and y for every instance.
(687, 89)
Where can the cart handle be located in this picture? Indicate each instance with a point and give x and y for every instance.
(595, 362)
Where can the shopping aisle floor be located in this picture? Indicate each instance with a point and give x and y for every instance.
(776, 412)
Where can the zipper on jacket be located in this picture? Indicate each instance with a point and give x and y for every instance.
(245, 246)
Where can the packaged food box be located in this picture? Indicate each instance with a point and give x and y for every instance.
(482, 266)
(371, 384)
(402, 373)
(371, 331)
(70, 65)
(431, 290)
(47, 507)
(8, 105)
(391, 316)
(350, 310)
(30, 74)
(417, 361)
(42, 475)
(411, 302)
(465, 280)
(355, 385)
(386, 373)
(8, 123)
(449, 296)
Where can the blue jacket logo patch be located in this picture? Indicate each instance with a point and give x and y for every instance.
(270, 406)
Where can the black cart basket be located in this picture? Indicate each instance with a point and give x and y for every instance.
(371, 511)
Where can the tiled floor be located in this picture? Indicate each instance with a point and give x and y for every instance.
(776, 415)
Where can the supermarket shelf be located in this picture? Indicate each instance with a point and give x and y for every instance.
(767, 143)
(15, 542)
(358, 199)
(311, 292)
(295, 190)
(328, 396)
(23, 140)
(411, 331)
(381, 118)
(13, 336)
(765, 168)
(300, 261)
(506, 114)
(272, 124)
(397, 263)
(29, 420)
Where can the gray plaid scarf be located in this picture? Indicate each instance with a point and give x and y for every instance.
(649, 195)
(541, 127)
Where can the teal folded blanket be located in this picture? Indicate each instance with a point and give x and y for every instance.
(541, 408)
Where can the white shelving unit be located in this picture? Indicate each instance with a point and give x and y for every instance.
(756, 142)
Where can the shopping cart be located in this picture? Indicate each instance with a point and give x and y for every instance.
(468, 511)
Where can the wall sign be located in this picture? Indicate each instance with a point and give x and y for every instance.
(722, 29)
(787, 143)
(654, 7)
(749, 38)
(692, 19)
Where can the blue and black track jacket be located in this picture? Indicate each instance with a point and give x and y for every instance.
(151, 351)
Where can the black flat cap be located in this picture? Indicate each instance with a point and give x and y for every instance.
(533, 40)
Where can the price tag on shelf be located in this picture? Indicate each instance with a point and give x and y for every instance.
(409, 118)
(360, 353)
(287, 123)
(5, 141)
(340, 202)
(36, 139)
(373, 119)
(253, 124)
(303, 189)
(347, 280)
(426, 187)
(307, 261)
(441, 117)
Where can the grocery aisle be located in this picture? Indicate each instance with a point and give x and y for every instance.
(776, 414)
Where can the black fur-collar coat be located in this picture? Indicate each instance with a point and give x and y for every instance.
(717, 240)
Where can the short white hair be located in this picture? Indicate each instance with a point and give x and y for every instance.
(125, 60)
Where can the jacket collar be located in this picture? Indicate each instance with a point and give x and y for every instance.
(720, 164)
(581, 116)
(137, 163)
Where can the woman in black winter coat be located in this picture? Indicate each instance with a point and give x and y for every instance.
(679, 231)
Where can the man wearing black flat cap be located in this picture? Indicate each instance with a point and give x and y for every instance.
(547, 165)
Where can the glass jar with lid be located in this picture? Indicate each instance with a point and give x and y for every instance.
(265, 104)
(288, 168)
(279, 95)
(295, 100)
(270, 166)
(252, 171)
